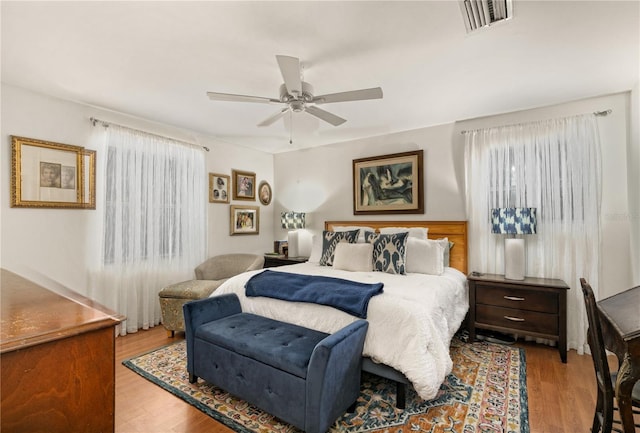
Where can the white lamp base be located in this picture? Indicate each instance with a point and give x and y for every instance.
(299, 242)
(514, 259)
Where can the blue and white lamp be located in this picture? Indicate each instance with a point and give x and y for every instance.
(514, 221)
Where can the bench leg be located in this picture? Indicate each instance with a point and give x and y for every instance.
(400, 395)
(193, 378)
(352, 408)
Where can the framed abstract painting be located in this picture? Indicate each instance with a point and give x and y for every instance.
(388, 184)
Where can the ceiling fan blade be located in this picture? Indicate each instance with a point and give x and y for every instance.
(290, 70)
(325, 115)
(269, 120)
(353, 95)
(216, 96)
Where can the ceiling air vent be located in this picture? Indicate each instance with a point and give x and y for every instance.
(483, 13)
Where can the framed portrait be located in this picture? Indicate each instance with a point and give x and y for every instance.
(219, 188)
(45, 174)
(264, 193)
(388, 184)
(245, 220)
(244, 185)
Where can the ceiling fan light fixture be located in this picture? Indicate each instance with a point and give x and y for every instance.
(297, 106)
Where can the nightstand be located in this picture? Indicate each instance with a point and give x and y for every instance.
(534, 306)
(271, 261)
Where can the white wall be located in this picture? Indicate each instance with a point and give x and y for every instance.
(633, 174)
(319, 181)
(61, 244)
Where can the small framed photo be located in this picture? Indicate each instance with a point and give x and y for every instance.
(388, 184)
(244, 185)
(219, 188)
(245, 220)
(45, 174)
(264, 193)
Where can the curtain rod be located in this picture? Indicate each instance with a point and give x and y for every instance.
(595, 113)
(106, 124)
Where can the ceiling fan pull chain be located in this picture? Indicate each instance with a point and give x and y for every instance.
(291, 127)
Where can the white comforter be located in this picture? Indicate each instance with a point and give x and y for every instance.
(410, 324)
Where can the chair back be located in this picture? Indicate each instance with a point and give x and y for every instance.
(228, 265)
(596, 342)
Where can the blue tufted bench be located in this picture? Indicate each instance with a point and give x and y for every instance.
(304, 377)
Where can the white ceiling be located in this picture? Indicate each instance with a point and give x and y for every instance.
(156, 60)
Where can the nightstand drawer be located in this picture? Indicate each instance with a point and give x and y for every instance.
(522, 320)
(520, 299)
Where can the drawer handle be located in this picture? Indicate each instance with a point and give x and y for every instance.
(513, 298)
(514, 319)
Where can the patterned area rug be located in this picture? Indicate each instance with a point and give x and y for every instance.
(485, 392)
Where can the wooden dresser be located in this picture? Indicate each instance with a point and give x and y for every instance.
(534, 306)
(57, 352)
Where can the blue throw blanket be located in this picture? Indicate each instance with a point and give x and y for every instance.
(349, 296)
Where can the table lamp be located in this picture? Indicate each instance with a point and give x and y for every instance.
(298, 241)
(514, 221)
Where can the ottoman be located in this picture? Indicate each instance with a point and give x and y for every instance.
(173, 297)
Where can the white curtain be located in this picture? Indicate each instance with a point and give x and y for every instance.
(154, 221)
(553, 166)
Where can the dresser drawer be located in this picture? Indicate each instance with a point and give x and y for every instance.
(522, 320)
(521, 299)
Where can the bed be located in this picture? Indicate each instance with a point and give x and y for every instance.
(411, 323)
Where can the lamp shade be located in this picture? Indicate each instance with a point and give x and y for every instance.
(292, 220)
(514, 220)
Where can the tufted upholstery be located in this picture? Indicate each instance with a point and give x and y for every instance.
(304, 377)
(209, 276)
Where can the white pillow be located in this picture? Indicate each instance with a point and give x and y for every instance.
(414, 232)
(447, 250)
(362, 229)
(353, 257)
(316, 249)
(425, 256)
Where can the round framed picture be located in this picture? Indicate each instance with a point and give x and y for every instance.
(264, 192)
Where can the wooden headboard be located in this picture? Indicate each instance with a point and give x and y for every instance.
(456, 231)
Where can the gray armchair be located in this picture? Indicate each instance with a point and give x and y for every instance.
(209, 276)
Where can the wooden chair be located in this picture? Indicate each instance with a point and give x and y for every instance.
(603, 417)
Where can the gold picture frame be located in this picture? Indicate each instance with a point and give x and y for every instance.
(264, 193)
(45, 174)
(89, 179)
(244, 220)
(388, 184)
(244, 185)
(219, 188)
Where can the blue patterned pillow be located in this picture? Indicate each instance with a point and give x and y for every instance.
(389, 252)
(329, 242)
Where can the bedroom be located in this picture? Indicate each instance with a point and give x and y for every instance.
(32, 239)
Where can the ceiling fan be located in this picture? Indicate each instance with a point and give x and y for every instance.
(298, 95)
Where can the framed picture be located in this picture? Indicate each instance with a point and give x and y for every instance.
(45, 174)
(388, 184)
(219, 188)
(264, 193)
(244, 185)
(245, 220)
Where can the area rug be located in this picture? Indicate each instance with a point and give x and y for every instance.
(485, 392)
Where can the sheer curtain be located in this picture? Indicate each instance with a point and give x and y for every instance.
(553, 166)
(153, 224)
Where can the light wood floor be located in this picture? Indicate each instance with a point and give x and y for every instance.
(561, 396)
